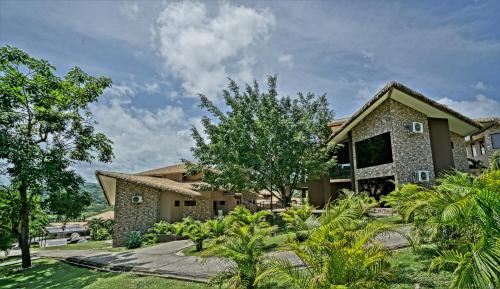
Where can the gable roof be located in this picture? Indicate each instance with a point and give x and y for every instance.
(107, 181)
(174, 169)
(459, 123)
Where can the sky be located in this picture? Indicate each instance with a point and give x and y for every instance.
(162, 54)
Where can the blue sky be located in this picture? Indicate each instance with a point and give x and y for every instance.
(160, 54)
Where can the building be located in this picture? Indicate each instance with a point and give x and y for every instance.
(168, 193)
(399, 136)
(482, 144)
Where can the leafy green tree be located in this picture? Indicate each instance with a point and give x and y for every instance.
(45, 128)
(462, 215)
(264, 141)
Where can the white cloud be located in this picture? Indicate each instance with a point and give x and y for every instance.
(479, 106)
(204, 48)
(152, 87)
(130, 9)
(286, 59)
(480, 86)
(142, 139)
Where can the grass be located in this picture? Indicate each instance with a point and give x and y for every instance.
(411, 267)
(96, 245)
(47, 273)
(272, 243)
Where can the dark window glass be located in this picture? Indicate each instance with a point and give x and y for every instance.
(473, 149)
(222, 203)
(481, 147)
(374, 151)
(452, 145)
(189, 203)
(177, 203)
(377, 187)
(495, 140)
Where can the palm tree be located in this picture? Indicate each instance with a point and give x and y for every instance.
(339, 253)
(301, 221)
(197, 232)
(462, 215)
(243, 246)
(242, 216)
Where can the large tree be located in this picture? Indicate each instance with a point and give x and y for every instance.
(263, 141)
(45, 128)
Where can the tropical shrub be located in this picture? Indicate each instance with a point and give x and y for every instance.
(134, 240)
(161, 227)
(300, 220)
(243, 246)
(241, 216)
(216, 228)
(100, 228)
(197, 232)
(341, 252)
(461, 214)
(101, 234)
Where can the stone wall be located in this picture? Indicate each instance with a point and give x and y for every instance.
(377, 122)
(488, 145)
(459, 153)
(134, 217)
(411, 152)
(202, 211)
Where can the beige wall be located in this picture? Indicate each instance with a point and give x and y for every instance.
(168, 211)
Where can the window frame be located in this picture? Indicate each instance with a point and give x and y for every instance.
(189, 203)
(495, 144)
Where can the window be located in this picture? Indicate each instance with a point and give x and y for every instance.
(377, 187)
(481, 147)
(452, 145)
(374, 151)
(222, 203)
(189, 203)
(473, 149)
(177, 203)
(495, 140)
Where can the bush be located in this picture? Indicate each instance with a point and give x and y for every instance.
(150, 238)
(134, 240)
(98, 224)
(6, 240)
(101, 234)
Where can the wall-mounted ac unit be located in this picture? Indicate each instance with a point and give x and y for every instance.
(416, 127)
(136, 199)
(421, 176)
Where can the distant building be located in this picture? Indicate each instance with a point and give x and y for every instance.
(168, 194)
(482, 144)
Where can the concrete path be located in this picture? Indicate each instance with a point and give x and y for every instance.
(164, 259)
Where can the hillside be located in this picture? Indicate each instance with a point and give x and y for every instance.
(99, 203)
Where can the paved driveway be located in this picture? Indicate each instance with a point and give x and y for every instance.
(165, 260)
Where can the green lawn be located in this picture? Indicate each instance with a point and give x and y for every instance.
(98, 245)
(271, 244)
(51, 274)
(411, 267)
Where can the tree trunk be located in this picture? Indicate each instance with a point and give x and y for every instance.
(24, 238)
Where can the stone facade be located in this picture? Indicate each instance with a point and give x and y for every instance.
(459, 153)
(410, 152)
(487, 141)
(485, 137)
(134, 217)
(202, 210)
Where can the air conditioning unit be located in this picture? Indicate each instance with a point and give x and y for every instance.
(416, 127)
(136, 199)
(421, 176)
